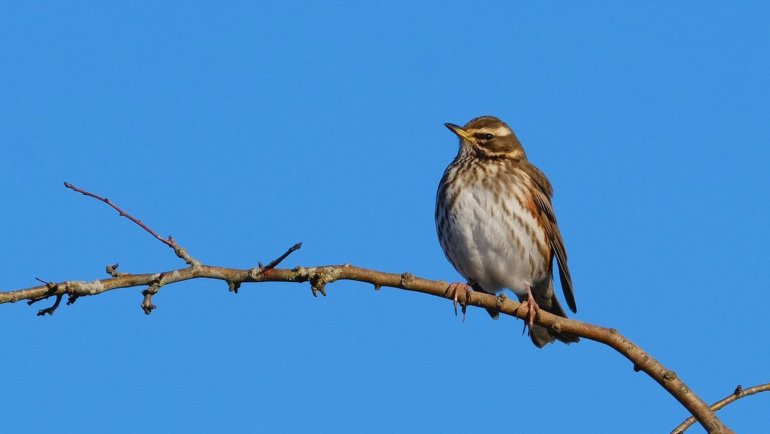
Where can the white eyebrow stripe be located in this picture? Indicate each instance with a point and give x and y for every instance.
(501, 131)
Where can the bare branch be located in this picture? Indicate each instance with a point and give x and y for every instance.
(320, 276)
(739, 393)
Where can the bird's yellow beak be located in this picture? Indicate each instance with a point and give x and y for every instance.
(461, 133)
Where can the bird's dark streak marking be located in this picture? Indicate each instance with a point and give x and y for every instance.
(451, 259)
(449, 200)
(488, 184)
(438, 213)
(483, 154)
(519, 245)
(507, 209)
(530, 232)
(445, 191)
(542, 246)
(518, 176)
(529, 204)
(441, 225)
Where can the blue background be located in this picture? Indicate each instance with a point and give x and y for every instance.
(243, 127)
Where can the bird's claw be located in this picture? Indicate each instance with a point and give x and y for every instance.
(455, 289)
(532, 310)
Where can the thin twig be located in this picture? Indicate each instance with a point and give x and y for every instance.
(259, 269)
(739, 393)
(274, 263)
(180, 252)
(51, 309)
(233, 285)
(169, 242)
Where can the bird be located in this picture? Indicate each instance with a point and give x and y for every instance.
(496, 224)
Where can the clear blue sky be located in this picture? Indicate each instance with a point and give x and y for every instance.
(240, 128)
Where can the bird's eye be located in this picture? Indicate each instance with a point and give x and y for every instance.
(488, 136)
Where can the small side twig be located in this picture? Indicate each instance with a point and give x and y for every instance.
(274, 263)
(259, 269)
(318, 284)
(51, 285)
(112, 270)
(233, 286)
(178, 250)
(147, 305)
(739, 393)
(72, 298)
(52, 308)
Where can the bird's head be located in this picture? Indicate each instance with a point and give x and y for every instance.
(488, 137)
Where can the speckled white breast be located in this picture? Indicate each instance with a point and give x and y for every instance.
(485, 241)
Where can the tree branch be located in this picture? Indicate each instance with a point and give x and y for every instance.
(320, 276)
(739, 393)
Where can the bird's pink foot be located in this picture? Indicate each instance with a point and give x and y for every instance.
(532, 309)
(456, 289)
